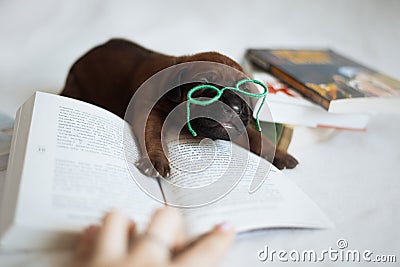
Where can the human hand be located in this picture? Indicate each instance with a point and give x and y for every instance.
(116, 243)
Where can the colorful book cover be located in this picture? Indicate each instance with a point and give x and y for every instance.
(324, 76)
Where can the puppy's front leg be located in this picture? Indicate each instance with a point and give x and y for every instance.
(264, 147)
(153, 161)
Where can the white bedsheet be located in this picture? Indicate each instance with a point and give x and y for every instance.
(353, 176)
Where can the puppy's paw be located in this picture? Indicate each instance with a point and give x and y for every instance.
(154, 166)
(284, 160)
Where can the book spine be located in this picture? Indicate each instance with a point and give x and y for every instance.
(258, 62)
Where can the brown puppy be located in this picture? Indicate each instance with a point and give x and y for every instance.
(110, 74)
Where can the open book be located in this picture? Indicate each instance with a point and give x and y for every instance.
(68, 166)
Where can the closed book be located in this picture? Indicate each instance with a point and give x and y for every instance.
(334, 82)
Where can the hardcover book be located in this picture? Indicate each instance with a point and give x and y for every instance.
(336, 83)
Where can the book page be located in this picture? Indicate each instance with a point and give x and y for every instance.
(277, 203)
(75, 168)
(197, 166)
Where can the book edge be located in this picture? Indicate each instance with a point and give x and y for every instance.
(9, 207)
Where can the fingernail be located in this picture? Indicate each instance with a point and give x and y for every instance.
(225, 227)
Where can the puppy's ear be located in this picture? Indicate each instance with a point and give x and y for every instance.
(176, 95)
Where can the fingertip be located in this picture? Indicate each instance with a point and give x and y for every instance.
(170, 209)
(225, 227)
(167, 212)
(114, 213)
(115, 217)
(225, 230)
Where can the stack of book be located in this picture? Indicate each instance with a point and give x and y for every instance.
(320, 88)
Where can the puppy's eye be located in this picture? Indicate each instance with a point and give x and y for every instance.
(237, 109)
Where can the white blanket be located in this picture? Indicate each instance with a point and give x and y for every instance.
(353, 176)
